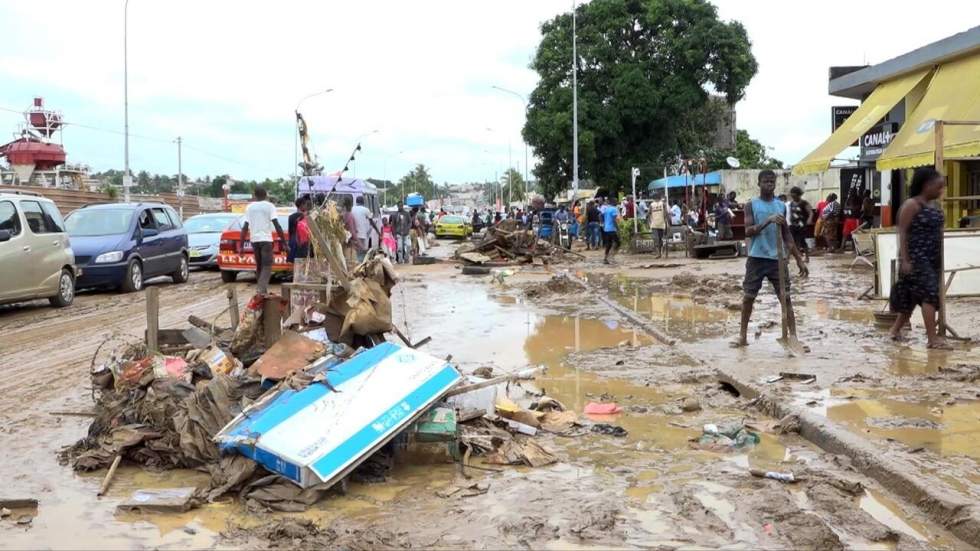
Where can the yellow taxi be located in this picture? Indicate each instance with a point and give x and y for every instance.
(451, 225)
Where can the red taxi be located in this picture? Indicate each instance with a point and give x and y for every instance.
(236, 256)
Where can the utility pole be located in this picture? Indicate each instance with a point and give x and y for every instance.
(180, 180)
(510, 177)
(574, 107)
(527, 107)
(635, 173)
(127, 178)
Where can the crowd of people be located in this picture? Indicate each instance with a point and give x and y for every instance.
(403, 235)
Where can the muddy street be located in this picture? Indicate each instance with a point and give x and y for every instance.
(656, 483)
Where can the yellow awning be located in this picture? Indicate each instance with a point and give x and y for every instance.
(951, 96)
(874, 108)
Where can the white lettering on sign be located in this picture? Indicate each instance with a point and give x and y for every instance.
(249, 260)
(878, 139)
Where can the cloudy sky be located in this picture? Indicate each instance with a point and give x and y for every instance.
(226, 75)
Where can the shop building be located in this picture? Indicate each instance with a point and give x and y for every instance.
(895, 126)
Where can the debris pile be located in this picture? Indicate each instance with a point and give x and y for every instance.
(560, 284)
(293, 402)
(507, 244)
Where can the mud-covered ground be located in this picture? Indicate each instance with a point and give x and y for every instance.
(653, 487)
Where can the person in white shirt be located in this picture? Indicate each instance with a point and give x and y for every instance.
(260, 218)
(675, 214)
(364, 224)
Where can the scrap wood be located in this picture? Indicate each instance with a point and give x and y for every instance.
(521, 451)
(108, 476)
(520, 375)
(465, 490)
(18, 503)
(290, 353)
(72, 413)
(407, 342)
(477, 258)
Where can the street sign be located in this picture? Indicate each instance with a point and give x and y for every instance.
(839, 114)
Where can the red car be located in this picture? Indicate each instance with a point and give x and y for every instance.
(236, 256)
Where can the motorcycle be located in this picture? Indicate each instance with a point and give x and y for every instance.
(561, 236)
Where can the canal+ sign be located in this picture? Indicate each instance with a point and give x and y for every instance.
(874, 142)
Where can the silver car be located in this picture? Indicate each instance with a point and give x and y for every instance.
(203, 236)
(36, 259)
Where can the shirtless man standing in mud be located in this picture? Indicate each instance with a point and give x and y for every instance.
(763, 260)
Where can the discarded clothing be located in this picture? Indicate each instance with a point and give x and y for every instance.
(730, 436)
(607, 408)
(611, 430)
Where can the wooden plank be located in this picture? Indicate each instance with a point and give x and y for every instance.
(152, 319)
(271, 320)
(940, 167)
(233, 306)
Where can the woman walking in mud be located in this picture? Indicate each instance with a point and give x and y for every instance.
(919, 233)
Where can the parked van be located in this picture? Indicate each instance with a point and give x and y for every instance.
(121, 245)
(332, 188)
(36, 258)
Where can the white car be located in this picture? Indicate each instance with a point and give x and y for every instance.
(36, 259)
(204, 236)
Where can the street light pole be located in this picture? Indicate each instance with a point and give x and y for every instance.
(527, 107)
(574, 106)
(296, 130)
(510, 176)
(127, 179)
(180, 179)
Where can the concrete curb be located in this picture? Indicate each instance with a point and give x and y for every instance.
(935, 499)
(639, 321)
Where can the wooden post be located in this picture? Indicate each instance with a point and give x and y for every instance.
(152, 319)
(108, 475)
(272, 319)
(287, 297)
(233, 306)
(941, 169)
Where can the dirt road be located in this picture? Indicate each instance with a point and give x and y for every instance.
(652, 487)
(45, 357)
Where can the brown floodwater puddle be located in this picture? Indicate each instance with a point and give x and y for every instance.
(887, 512)
(478, 326)
(948, 430)
(679, 315)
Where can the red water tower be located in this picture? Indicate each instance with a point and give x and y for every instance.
(33, 149)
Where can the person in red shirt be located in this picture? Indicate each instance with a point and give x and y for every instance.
(817, 235)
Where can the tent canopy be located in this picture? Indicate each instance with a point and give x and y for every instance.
(682, 180)
(872, 110)
(951, 96)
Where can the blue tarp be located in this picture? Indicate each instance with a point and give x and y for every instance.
(681, 180)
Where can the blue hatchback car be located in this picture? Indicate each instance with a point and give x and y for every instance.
(121, 245)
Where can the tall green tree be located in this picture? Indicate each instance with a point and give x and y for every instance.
(645, 68)
(512, 184)
(418, 180)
